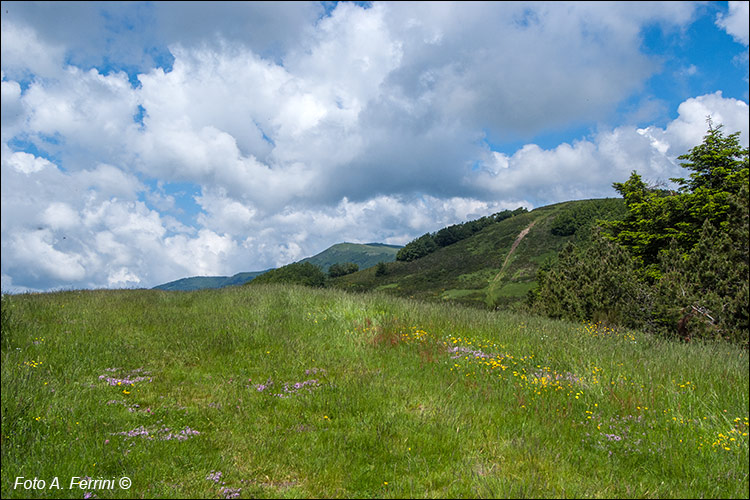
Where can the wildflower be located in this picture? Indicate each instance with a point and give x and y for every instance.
(230, 492)
(214, 476)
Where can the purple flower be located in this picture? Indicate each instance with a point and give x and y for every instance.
(231, 492)
(214, 476)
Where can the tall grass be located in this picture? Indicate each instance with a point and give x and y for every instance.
(274, 391)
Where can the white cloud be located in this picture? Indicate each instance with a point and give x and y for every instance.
(301, 131)
(587, 168)
(524, 67)
(24, 54)
(736, 21)
(36, 251)
(12, 109)
(122, 277)
(82, 116)
(205, 255)
(60, 216)
(690, 127)
(27, 163)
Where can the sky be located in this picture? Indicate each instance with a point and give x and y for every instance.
(143, 142)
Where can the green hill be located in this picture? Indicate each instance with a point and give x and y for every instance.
(204, 282)
(496, 266)
(364, 255)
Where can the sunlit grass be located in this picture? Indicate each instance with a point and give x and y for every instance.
(292, 392)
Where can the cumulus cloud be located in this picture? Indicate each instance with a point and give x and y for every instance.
(137, 34)
(691, 125)
(587, 168)
(146, 142)
(24, 54)
(12, 110)
(736, 21)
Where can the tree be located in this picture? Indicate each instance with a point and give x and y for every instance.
(595, 282)
(719, 164)
(705, 292)
(656, 216)
(678, 264)
(381, 269)
(342, 269)
(415, 249)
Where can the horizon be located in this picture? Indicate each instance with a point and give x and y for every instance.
(148, 142)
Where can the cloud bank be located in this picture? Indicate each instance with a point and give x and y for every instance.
(164, 141)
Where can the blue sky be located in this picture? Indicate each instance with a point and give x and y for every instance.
(149, 141)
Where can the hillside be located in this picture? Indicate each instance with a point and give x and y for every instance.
(364, 255)
(496, 266)
(205, 282)
(293, 392)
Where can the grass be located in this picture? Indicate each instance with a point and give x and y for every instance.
(481, 262)
(275, 391)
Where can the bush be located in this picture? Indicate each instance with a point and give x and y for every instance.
(381, 269)
(296, 273)
(596, 282)
(418, 248)
(337, 270)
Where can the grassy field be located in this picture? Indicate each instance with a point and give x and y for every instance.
(274, 391)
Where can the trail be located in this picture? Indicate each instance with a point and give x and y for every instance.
(520, 237)
(514, 245)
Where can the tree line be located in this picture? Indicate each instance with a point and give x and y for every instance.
(430, 242)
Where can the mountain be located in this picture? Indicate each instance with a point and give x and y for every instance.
(494, 267)
(364, 255)
(202, 282)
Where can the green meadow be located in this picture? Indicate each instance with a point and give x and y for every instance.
(282, 391)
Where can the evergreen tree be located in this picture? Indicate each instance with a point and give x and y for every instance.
(678, 260)
(381, 269)
(655, 217)
(592, 283)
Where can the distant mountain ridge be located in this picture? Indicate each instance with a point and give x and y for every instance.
(364, 255)
(202, 282)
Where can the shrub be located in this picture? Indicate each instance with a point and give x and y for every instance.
(381, 269)
(343, 269)
(596, 282)
(300, 273)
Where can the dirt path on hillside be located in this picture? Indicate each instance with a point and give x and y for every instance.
(520, 237)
